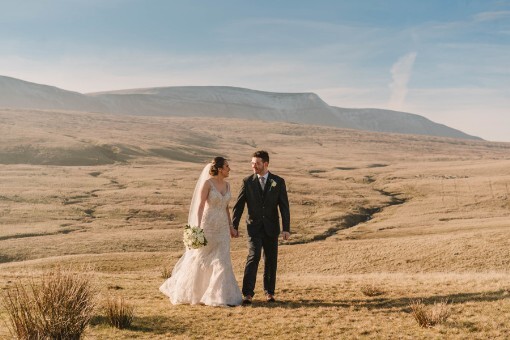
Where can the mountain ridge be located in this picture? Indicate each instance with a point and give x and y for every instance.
(220, 101)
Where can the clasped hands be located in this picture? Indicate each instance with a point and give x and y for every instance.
(234, 233)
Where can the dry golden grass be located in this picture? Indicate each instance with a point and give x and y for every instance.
(59, 306)
(119, 312)
(427, 316)
(372, 289)
(420, 218)
(166, 272)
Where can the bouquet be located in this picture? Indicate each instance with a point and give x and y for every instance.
(194, 237)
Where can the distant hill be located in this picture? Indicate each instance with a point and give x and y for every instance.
(15, 93)
(219, 101)
(396, 122)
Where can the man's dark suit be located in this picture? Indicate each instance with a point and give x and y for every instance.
(263, 225)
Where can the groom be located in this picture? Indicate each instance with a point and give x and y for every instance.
(264, 193)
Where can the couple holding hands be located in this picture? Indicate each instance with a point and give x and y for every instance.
(205, 275)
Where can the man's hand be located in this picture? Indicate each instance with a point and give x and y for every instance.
(286, 235)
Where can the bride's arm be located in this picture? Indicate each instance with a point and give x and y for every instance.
(229, 219)
(228, 210)
(203, 198)
(233, 231)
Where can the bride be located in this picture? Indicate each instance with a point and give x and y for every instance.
(205, 275)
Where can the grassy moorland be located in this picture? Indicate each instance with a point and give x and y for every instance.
(413, 217)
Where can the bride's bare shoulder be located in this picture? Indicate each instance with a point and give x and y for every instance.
(207, 185)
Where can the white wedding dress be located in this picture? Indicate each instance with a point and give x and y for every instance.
(205, 275)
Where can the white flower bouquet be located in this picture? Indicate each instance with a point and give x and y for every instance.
(194, 237)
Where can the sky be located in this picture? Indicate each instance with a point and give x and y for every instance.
(447, 60)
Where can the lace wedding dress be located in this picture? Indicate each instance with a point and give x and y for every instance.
(205, 275)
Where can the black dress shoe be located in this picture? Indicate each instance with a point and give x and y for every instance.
(247, 300)
(270, 298)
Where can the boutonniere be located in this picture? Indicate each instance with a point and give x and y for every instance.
(273, 184)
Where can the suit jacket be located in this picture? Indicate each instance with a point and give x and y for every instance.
(263, 206)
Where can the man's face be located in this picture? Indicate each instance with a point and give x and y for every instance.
(258, 166)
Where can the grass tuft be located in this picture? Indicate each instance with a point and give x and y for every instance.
(166, 273)
(429, 316)
(58, 306)
(119, 313)
(372, 290)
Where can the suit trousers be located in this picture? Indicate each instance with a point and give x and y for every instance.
(269, 244)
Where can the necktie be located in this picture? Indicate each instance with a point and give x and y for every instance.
(262, 182)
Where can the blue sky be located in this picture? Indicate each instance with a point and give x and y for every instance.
(447, 60)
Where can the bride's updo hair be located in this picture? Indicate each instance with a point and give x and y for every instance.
(216, 164)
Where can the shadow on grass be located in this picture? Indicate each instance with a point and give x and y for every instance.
(382, 303)
(154, 324)
(7, 258)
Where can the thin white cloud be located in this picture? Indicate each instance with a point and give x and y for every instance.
(491, 16)
(323, 26)
(401, 73)
(111, 72)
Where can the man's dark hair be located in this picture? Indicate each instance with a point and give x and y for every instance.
(262, 154)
